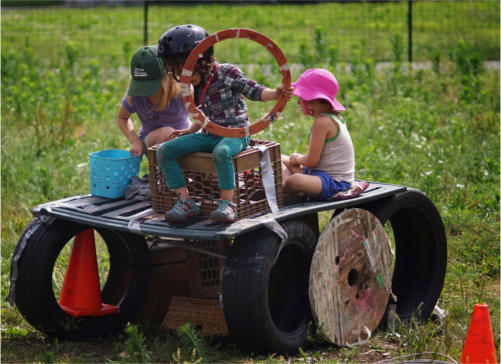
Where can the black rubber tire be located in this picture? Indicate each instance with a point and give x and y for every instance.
(34, 295)
(265, 302)
(420, 251)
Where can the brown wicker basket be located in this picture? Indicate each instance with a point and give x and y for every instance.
(201, 180)
(205, 313)
(185, 285)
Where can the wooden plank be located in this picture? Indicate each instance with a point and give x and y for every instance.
(202, 162)
(350, 277)
(197, 161)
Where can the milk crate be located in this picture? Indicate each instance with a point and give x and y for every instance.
(201, 180)
(204, 271)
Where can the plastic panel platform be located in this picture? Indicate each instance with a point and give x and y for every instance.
(138, 216)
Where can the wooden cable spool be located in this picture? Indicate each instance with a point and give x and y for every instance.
(350, 277)
(197, 52)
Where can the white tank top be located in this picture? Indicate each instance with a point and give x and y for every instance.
(338, 156)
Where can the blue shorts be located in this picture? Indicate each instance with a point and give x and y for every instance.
(329, 185)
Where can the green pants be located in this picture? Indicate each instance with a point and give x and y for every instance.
(222, 149)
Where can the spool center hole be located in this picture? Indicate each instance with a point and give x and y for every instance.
(353, 277)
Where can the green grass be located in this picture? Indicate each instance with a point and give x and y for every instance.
(65, 71)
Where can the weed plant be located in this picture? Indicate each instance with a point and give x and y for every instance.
(435, 129)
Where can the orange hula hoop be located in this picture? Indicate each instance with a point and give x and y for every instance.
(189, 66)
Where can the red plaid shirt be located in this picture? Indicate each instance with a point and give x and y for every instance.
(223, 102)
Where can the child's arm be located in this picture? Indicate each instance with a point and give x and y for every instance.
(127, 128)
(269, 94)
(238, 81)
(319, 132)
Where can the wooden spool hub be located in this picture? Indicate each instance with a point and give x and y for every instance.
(350, 277)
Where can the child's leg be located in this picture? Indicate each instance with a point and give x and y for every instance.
(303, 183)
(288, 169)
(158, 136)
(227, 194)
(182, 192)
(169, 151)
(285, 167)
(222, 155)
(316, 183)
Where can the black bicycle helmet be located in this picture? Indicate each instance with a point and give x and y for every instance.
(181, 40)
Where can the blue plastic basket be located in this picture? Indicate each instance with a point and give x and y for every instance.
(110, 172)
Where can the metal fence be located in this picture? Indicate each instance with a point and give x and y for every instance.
(378, 25)
(340, 31)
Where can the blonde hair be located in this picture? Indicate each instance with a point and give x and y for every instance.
(169, 89)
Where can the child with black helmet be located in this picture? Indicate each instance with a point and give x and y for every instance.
(155, 96)
(219, 90)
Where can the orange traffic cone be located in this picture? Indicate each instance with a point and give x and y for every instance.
(479, 344)
(81, 292)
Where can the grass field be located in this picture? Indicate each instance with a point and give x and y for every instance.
(436, 129)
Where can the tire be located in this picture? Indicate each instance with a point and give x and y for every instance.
(421, 251)
(34, 295)
(265, 301)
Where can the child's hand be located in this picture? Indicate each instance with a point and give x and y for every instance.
(294, 159)
(269, 94)
(178, 133)
(286, 93)
(137, 148)
(194, 127)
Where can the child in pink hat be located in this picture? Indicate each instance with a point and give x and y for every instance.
(329, 165)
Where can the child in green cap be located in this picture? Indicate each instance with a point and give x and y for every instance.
(155, 96)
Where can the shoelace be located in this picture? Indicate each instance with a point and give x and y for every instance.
(182, 206)
(224, 204)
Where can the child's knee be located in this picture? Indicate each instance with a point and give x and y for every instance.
(292, 184)
(162, 153)
(221, 153)
(165, 133)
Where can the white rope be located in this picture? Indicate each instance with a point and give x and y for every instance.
(285, 67)
(186, 72)
(268, 178)
(134, 226)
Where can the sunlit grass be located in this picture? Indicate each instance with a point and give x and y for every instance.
(434, 129)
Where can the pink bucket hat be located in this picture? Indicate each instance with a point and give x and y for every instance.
(318, 83)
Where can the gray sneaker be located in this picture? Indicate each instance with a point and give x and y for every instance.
(226, 211)
(182, 210)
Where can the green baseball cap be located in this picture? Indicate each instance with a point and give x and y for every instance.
(146, 70)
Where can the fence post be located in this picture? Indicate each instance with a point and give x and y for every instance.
(409, 28)
(145, 22)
